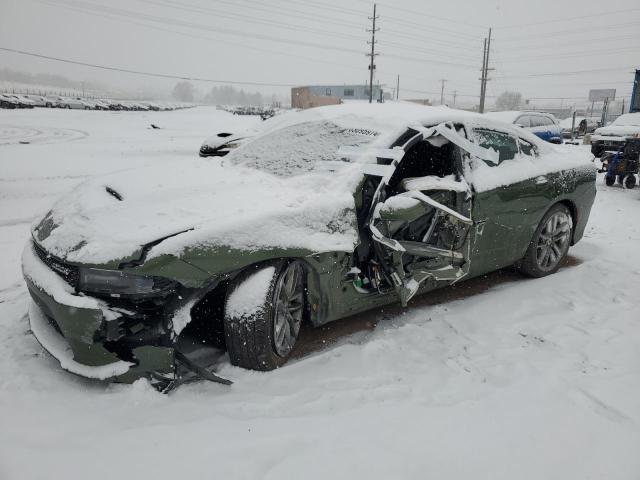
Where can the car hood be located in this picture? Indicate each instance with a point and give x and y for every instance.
(618, 130)
(198, 206)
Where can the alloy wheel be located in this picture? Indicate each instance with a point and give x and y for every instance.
(288, 308)
(553, 241)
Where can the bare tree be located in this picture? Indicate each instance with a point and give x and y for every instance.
(509, 101)
(183, 92)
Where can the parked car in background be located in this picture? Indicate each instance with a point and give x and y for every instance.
(330, 212)
(542, 125)
(7, 101)
(69, 103)
(583, 125)
(613, 136)
(55, 101)
(23, 102)
(38, 100)
(151, 106)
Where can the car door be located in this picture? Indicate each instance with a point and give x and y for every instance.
(539, 127)
(505, 199)
(420, 224)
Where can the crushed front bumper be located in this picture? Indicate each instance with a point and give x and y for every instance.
(74, 329)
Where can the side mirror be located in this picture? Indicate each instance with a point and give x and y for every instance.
(519, 125)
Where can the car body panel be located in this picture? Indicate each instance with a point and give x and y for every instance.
(501, 221)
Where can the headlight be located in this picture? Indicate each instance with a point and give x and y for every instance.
(115, 283)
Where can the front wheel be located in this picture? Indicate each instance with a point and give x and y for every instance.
(263, 314)
(550, 243)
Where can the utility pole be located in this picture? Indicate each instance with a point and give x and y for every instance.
(455, 94)
(398, 87)
(373, 53)
(485, 72)
(442, 91)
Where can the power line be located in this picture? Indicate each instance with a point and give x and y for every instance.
(455, 21)
(564, 19)
(558, 74)
(148, 74)
(571, 31)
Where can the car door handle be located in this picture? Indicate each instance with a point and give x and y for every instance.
(541, 180)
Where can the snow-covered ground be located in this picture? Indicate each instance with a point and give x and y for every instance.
(529, 379)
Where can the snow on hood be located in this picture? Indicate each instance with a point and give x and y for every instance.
(618, 131)
(625, 125)
(218, 204)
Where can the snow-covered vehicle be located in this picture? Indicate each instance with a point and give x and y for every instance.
(23, 102)
(38, 100)
(222, 143)
(320, 215)
(75, 103)
(613, 137)
(55, 101)
(541, 124)
(7, 101)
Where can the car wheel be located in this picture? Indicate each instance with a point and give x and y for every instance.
(609, 180)
(263, 313)
(629, 181)
(550, 243)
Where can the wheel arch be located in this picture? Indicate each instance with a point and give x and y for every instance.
(573, 210)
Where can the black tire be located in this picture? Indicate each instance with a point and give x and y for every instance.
(621, 179)
(609, 180)
(251, 337)
(629, 181)
(534, 263)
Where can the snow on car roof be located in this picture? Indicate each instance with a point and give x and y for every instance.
(506, 116)
(628, 119)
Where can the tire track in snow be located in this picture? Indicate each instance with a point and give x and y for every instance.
(12, 135)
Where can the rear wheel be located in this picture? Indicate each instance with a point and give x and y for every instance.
(629, 181)
(263, 314)
(609, 180)
(550, 243)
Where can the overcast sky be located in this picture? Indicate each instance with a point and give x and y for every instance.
(302, 42)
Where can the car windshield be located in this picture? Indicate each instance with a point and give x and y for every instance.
(629, 119)
(300, 148)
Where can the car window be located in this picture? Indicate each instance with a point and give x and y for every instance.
(527, 148)
(500, 142)
(405, 137)
(523, 121)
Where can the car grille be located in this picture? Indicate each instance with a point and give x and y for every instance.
(70, 273)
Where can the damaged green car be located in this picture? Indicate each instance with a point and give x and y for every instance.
(321, 215)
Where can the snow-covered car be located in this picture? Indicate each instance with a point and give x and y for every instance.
(55, 101)
(543, 125)
(23, 102)
(75, 103)
(582, 126)
(322, 214)
(613, 137)
(7, 101)
(222, 143)
(38, 100)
